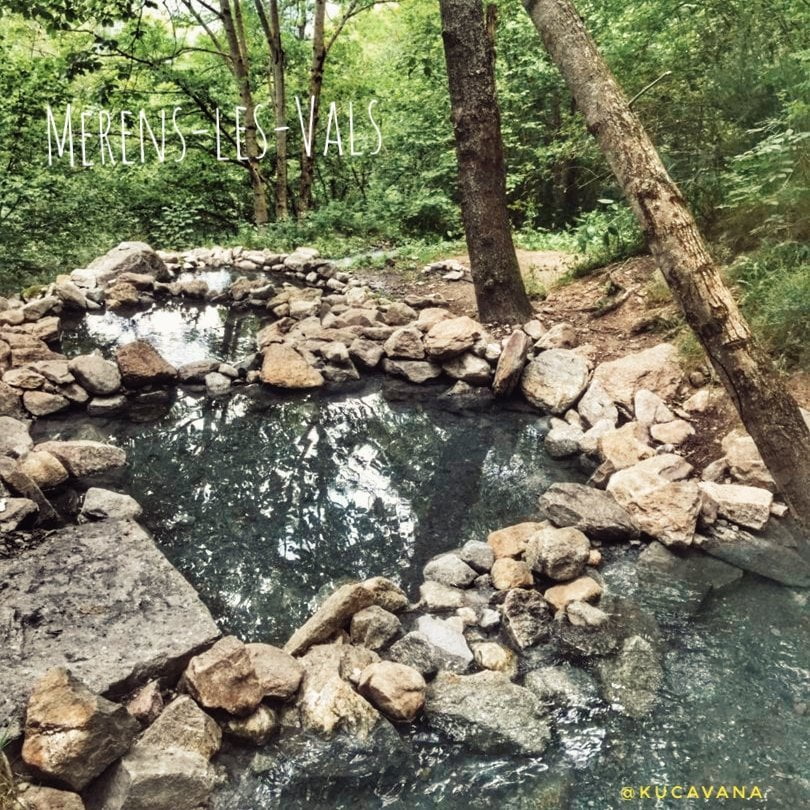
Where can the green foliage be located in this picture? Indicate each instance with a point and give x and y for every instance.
(607, 234)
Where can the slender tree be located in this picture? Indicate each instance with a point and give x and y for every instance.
(312, 114)
(768, 411)
(469, 53)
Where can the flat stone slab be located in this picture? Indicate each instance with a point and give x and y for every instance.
(101, 600)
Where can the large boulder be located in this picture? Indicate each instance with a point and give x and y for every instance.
(108, 505)
(224, 678)
(488, 713)
(511, 363)
(666, 510)
(82, 458)
(97, 375)
(452, 337)
(625, 446)
(284, 367)
(744, 461)
(397, 690)
(141, 365)
(555, 380)
(655, 369)
(450, 648)
(597, 405)
(134, 592)
(592, 511)
(278, 672)
(560, 554)
(128, 257)
(747, 506)
(71, 734)
(44, 469)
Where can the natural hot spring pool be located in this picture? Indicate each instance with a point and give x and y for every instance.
(262, 501)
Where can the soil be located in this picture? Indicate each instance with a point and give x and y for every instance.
(618, 309)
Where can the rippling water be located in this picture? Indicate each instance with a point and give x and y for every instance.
(263, 501)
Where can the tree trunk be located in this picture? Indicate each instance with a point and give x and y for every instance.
(315, 87)
(233, 24)
(768, 411)
(469, 53)
(278, 91)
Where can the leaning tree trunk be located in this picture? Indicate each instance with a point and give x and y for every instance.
(468, 50)
(315, 87)
(767, 409)
(233, 25)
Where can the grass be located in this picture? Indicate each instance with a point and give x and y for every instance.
(8, 789)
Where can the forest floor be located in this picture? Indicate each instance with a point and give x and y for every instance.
(647, 316)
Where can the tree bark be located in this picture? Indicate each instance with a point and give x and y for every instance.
(315, 87)
(469, 54)
(234, 28)
(768, 411)
(271, 25)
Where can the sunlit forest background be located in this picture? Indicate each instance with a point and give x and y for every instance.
(722, 85)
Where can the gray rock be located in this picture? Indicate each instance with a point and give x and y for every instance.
(449, 645)
(560, 554)
(477, 555)
(555, 380)
(488, 713)
(511, 363)
(469, 369)
(136, 594)
(257, 728)
(106, 406)
(42, 403)
(195, 372)
(128, 257)
(216, 384)
(563, 440)
(632, 678)
(435, 596)
(405, 343)
(366, 352)
(526, 617)
(15, 439)
(450, 569)
(94, 373)
(104, 503)
(14, 511)
(183, 724)
(415, 371)
(562, 686)
(590, 510)
(374, 627)
(83, 458)
(415, 650)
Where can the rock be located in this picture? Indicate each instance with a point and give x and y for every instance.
(83, 458)
(562, 686)
(146, 779)
(336, 353)
(278, 672)
(477, 555)
(96, 374)
(450, 648)
(128, 257)
(196, 372)
(452, 337)
(511, 363)
(284, 367)
(513, 540)
(655, 369)
(257, 728)
(493, 656)
(674, 585)
(121, 294)
(555, 380)
(563, 440)
(135, 594)
(55, 371)
(72, 735)
(415, 371)
(333, 615)
(147, 703)
(360, 317)
(374, 627)
(430, 316)
(415, 651)
(405, 343)
(509, 573)
(44, 469)
(469, 369)
(104, 503)
(666, 510)
(397, 690)
(40, 307)
(778, 556)
(435, 596)
(463, 397)
(216, 384)
(386, 594)
(224, 678)
(534, 329)
(14, 511)
(450, 569)
(140, 365)
(584, 589)
(592, 511)
(744, 461)
(746, 506)
(327, 703)
(366, 352)
(675, 432)
(560, 554)
(106, 406)
(487, 713)
(526, 617)
(670, 466)
(354, 660)
(650, 409)
(24, 378)
(37, 797)
(15, 439)
(632, 679)
(9, 400)
(12, 317)
(625, 446)
(41, 403)
(70, 295)
(183, 724)
(559, 336)
(581, 614)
